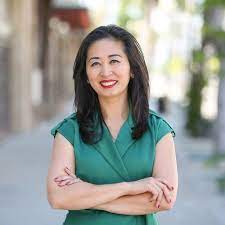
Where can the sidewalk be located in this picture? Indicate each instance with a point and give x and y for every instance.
(198, 199)
(24, 162)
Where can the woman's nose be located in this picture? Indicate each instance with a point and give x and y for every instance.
(106, 71)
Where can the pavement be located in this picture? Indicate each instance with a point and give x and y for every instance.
(198, 199)
(24, 164)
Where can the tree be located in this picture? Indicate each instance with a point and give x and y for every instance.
(214, 33)
(198, 81)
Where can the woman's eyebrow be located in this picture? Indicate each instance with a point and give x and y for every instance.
(93, 58)
(115, 55)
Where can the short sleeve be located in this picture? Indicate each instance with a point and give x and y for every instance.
(65, 128)
(163, 128)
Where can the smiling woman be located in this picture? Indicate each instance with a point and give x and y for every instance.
(108, 69)
(113, 159)
(110, 53)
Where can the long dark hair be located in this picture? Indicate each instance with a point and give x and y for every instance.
(86, 102)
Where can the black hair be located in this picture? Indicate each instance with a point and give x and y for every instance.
(86, 101)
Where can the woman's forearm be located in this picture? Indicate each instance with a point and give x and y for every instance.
(83, 195)
(122, 198)
(134, 205)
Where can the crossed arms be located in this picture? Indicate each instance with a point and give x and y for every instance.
(153, 194)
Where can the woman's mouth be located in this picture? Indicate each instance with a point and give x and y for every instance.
(108, 83)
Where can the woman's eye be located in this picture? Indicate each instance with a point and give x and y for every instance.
(95, 64)
(114, 61)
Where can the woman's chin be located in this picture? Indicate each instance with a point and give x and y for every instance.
(110, 95)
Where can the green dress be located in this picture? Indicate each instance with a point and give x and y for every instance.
(108, 161)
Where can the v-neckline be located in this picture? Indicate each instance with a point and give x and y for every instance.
(114, 140)
(113, 151)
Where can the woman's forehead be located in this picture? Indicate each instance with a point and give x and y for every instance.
(106, 47)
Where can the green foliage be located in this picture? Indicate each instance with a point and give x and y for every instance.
(131, 10)
(216, 36)
(212, 32)
(198, 81)
(123, 17)
(181, 4)
(214, 160)
(221, 184)
(200, 70)
(209, 4)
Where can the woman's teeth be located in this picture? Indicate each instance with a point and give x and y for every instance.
(108, 83)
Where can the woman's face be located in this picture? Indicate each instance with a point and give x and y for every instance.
(108, 68)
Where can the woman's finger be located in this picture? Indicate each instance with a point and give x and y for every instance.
(159, 198)
(61, 178)
(68, 181)
(154, 190)
(166, 192)
(69, 172)
(73, 182)
(165, 182)
(64, 182)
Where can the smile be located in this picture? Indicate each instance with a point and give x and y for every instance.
(108, 83)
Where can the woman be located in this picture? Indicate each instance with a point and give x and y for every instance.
(113, 160)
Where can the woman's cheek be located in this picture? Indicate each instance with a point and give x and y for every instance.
(95, 86)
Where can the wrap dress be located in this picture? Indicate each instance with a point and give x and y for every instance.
(112, 161)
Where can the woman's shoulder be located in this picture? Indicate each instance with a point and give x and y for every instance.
(155, 116)
(159, 125)
(66, 127)
(72, 116)
(69, 119)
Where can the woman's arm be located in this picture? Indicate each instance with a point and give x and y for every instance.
(80, 195)
(165, 166)
(83, 195)
(133, 205)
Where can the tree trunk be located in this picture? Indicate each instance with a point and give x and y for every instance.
(220, 129)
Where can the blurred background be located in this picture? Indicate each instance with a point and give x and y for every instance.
(184, 46)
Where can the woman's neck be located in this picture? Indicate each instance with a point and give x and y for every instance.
(114, 109)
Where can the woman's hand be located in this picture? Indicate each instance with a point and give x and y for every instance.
(68, 179)
(157, 186)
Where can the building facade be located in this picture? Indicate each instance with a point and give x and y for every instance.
(37, 49)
